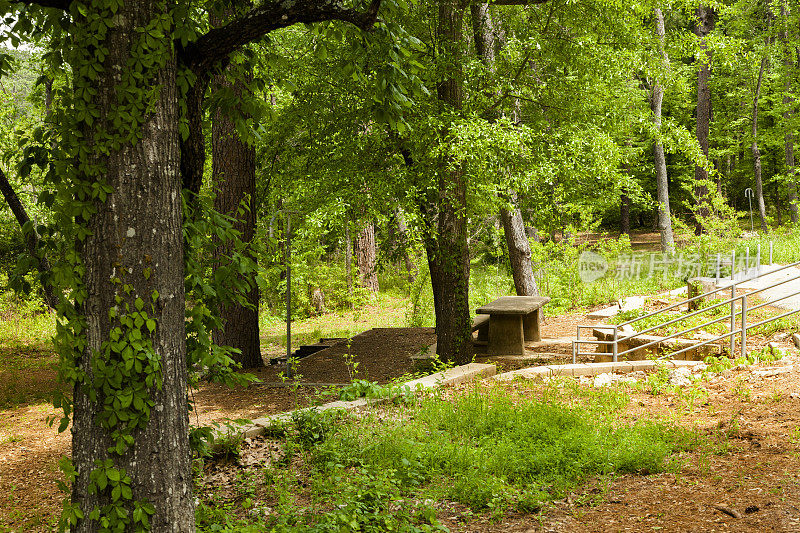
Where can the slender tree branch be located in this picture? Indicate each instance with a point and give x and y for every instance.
(31, 237)
(219, 43)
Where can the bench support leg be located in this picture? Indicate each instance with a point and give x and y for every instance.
(506, 335)
(530, 323)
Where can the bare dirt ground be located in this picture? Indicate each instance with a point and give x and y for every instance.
(749, 482)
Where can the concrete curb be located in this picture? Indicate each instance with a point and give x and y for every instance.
(451, 376)
(589, 369)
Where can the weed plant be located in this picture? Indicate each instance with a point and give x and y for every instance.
(488, 449)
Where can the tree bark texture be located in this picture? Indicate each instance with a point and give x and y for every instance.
(664, 218)
(138, 228)
(449, 264)
(704, 26)
(519, 252)
(366, 257)
(234, 177)
(762, 212)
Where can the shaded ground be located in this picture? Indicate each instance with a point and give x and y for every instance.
(753, 471)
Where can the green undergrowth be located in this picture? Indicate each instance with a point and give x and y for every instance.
(490, 450)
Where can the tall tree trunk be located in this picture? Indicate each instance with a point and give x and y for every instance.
(788, 101)
(519, 252)
(136, 237)
(233, 172)
(234, 177)
(664, 219)
(624, 214)
(762, 212)
(486, 38)
(703, 27)
(366, 257)
(449, 264)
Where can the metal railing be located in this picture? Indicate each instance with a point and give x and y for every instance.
(734, 331)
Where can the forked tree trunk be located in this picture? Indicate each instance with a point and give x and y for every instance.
(136, 236)
(664, 218)
(366, 257)
(703, 27)
(762, 212)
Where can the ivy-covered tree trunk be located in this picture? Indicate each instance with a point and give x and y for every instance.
(664, 218)
(703, 27)
(366, 257)
(234, 177)
(449, 263)
(133, 260)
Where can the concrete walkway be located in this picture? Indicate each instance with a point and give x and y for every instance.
(766, 279)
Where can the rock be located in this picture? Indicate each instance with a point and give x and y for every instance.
(603, 380)
(680, 377)
(769, 372)
(631, 302)
(777, 349)
(796, 339)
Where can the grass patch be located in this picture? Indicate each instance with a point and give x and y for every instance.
(491, 450)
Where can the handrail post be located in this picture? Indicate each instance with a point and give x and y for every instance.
(744, 325)
(576, 345)
(615, 347)
(716, 281)
(733, 318)
(733, 266)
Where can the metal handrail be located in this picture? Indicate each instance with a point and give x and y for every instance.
(720, 304)
(724, 287)
(732, 316)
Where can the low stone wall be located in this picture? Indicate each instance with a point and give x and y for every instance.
(661, 347)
